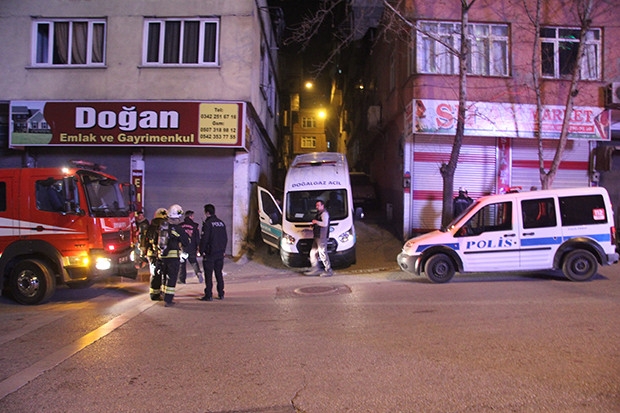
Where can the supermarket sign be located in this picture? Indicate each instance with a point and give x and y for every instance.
(509, 120)
(137, 123)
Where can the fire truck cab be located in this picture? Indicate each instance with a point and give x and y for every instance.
(62, 226)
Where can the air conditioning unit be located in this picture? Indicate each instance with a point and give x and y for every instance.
(613, 93)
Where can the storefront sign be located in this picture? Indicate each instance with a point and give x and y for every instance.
(141, 123)
(510, 120)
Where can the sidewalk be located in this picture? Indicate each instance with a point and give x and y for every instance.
(376, 251)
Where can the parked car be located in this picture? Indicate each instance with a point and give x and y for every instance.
(569, 229)
(364, 191)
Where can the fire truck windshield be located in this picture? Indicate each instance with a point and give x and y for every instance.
(104, 195)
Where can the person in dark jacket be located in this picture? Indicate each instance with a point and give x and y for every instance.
(193, 232)
(213, 242)
(461, 202)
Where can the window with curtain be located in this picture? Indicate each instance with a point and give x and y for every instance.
(436, 41)
(181, 42)
(69, 42)
(559, 47)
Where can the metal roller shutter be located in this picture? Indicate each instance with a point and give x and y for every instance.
(476, 171)
(190, 178)
(573, 171)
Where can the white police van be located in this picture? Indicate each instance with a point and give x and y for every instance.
(564, 229)
(312, 176)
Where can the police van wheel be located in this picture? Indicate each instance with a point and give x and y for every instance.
(439, 268)
(579, 265)
(31, 282)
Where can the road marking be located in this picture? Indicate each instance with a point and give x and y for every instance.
(20, 379)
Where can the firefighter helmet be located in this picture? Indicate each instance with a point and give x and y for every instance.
(175, 212)
(161, 213)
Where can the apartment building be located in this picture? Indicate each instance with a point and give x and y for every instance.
(410, 89)
(179, 98)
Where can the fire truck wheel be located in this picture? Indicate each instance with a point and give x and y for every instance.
(31, 282)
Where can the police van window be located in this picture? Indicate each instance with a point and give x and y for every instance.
(492, 217)
(50, 195)
(583, 210)
(538, 213)
(2, 196)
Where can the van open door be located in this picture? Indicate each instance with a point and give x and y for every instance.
(270, 216)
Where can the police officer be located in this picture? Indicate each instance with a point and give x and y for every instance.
(177, 240)
(461, 202)
(213, 242)
(150, 249)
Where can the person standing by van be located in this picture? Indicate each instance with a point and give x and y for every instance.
(320, 228)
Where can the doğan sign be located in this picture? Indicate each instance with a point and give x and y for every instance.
(161, 123)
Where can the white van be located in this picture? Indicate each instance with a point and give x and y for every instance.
(312, 176)
(567, 229)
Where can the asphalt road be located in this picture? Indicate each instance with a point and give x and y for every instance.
(369, 339)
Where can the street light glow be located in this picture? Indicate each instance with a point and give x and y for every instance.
(309, 85)
(322, 113)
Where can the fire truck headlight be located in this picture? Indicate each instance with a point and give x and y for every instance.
(76, 261)
(102, 263)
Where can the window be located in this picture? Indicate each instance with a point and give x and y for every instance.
(308, 122)
(489, 55)
(69, 42)
(583, 210)
(181, 42)
(559, 48)
(493, 217)
(2, 196)
(50, 195)
(538, 213)
(301, 205)
(308, 142)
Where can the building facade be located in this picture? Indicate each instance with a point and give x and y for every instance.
(410, 91)
(180, 98)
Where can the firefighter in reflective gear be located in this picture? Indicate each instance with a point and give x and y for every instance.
(177, 239)
(150, 249)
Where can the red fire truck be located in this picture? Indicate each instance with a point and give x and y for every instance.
(62, 226)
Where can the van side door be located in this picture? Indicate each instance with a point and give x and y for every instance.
(540, 233)
(488, 241)
(270, 217)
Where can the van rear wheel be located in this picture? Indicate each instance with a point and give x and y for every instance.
(579, 265)
(439, 268)
(31, 282)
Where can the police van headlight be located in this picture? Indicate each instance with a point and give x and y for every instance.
(346, 236)
(289, 239)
